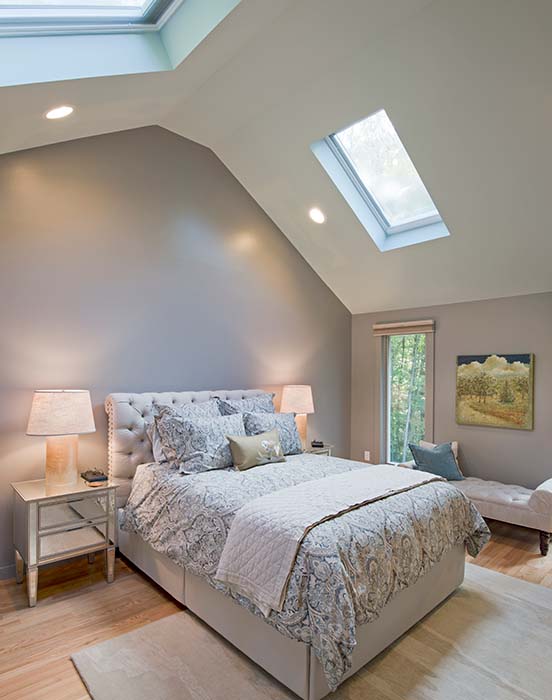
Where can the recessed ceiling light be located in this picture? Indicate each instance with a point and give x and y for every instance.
(317, 215)
(59, 112)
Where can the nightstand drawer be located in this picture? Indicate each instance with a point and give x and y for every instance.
(60, 544)
(70, 511)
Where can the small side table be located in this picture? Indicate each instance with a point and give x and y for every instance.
(53, 524)
(326, 450)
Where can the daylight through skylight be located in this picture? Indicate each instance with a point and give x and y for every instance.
(375, 156)
(60, 11)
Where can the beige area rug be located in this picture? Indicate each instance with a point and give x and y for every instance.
(490, 640)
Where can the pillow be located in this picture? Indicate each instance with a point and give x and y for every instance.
(254, 450)
(453, 447)
(438, 460)
(253, 404)
(256, 423)
(541, 498)
(156, 447)
(423, 443)
(201, 409)
(197, 445)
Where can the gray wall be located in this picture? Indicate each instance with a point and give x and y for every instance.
(510, 325)
(135, 261)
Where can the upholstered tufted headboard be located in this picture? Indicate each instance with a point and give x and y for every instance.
(128, 445)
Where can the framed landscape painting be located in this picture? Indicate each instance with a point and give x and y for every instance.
(495, 390)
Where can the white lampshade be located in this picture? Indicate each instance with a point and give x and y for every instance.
(61, 412)
(297, 398)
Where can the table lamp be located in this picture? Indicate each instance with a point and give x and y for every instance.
(297, 398)
(61, 415)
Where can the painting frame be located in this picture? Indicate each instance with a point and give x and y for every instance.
(495, 390)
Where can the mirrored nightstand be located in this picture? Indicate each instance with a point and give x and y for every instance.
(325, 450)
(53, 524)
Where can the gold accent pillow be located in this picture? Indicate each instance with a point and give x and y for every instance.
(254, 450)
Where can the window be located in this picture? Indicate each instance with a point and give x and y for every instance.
(407, 387)
(374, 153)
(371, 168)
(52, 13)
(406, 380)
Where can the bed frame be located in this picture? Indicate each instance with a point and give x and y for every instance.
(293, 663)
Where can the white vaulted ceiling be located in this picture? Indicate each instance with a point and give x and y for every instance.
(468, 86)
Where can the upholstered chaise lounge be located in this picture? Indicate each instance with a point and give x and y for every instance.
(508, 503)
(513, 504)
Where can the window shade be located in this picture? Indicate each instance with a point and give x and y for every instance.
(404, 327)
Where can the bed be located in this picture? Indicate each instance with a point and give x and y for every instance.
(343, 606)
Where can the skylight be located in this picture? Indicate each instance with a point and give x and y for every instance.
(375, 154)
(371, 168)
(58, 13)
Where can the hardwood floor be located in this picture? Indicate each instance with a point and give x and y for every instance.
(77, 608)
(515, 551)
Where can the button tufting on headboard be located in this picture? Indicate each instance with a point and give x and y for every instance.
(128, 415)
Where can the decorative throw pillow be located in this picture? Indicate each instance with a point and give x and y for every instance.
(453, 447)
(252, 404)
(197, 445)
(254, 450)
(256, 423)
(438, 460)
(192, 410)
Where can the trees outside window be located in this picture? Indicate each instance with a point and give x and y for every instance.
(406, 383)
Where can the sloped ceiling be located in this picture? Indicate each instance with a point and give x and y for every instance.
(467, 84)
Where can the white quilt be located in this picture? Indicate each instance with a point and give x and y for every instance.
(266, 533)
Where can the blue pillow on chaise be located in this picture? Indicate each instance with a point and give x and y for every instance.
(438, 460)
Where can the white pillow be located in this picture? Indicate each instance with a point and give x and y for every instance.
(541, 498)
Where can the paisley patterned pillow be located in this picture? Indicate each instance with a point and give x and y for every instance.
(256, 423)
(253, 404)
(200, 409)
(197, 445)
(156, 446)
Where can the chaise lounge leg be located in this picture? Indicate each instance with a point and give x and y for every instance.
(544, 542)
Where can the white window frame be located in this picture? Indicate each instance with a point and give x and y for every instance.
(343, 174)
(371, 201)
(385, 330)
(154, 17)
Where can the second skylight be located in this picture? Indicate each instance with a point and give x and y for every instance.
(38, 13)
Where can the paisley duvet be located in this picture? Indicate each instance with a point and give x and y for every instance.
(347, 568)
